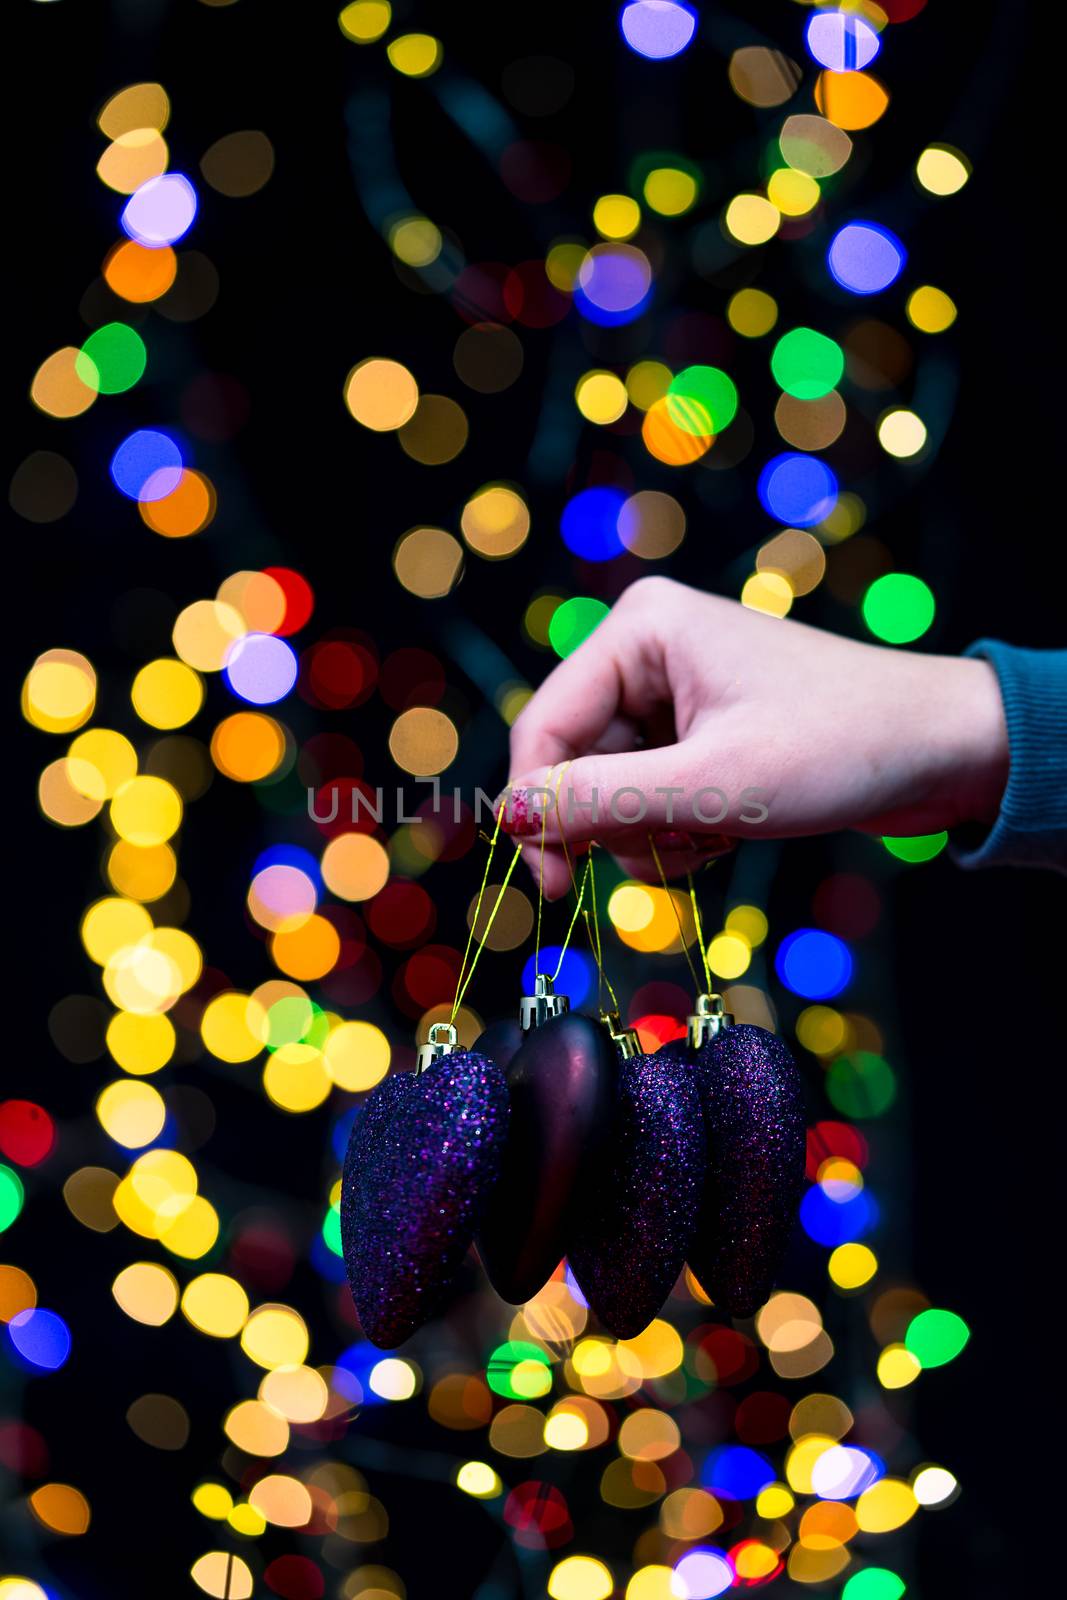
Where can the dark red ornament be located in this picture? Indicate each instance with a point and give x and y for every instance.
(561, 1084)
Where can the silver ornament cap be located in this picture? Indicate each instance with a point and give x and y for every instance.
(442, 1041)
(708, 1020)
(542, 1005)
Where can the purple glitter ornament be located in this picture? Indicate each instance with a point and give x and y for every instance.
(422, 1160)
(753, 1102)
(643, 1205)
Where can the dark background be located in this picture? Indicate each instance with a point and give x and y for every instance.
(954, 975)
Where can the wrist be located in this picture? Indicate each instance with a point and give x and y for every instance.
(979, 741)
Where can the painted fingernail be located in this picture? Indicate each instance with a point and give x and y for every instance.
(517, 814)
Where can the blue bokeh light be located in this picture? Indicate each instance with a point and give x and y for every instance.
(260, 668)
(865, 258)
(161, 211)
(797, 489)
(147, 465)
(658, 29)
(814, 964)
(832, 1222)
(590, 524)
(289, 855)
(575, 975)
(736, 1472)
(41, 1337)
(703, 1573)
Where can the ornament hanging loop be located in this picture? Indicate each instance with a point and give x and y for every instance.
(443, 1041)
(542, 1005)
(708, 1020)
(623, 1038)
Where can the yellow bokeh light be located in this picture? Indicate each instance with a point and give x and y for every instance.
(653, 1582)
(416, 55)
(147, 1292)
(822, 1030)
(212, 1500)
(60, 801)
(308, 949)
(631, 908)
(295, 1077)
(59, 691)
(296, 1392)
(616, 216)
(580, 1578)
(146, 811)
(140, 105)
(901, 433)
(648, 1435)
(365, 20)
(601, 397)
(247, 1520)
(58, 387)
(99, 762)
(495, 521)
(132, 159)
(749, 923)
(477, 1478)
(566, 1430)
(942, 170)
(275, 1336)
(931, 310)
(752, 313)
(216, 1304)
(670, 443)
(670, 191)
(141, 1043)
(768, 592)
(167, 693)
(141, 873)
(415, 240)
(647, 382)
(256, 1428)
(729, 955)
(110, 925)
(187, 1228)
(131, 1113)
(393, 1379)
(658, 1348)
(232, 1026)
(897, 1367)
(223, 1575)
(774, 1501)
(564, 262)
(752, 219)
(205, 632)
(793, 193)
(281, 1500)
(356, 1055)
(932, 1486)
(886, 1505)
(852, 1265)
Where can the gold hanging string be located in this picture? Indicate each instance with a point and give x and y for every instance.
(677, 915)
(709, 985)
(540, 888)
(574, 919)
(603, 979)
(464, 984)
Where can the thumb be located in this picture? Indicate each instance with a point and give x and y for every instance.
(602, 797)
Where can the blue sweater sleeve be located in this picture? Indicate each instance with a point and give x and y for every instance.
(1031, 830)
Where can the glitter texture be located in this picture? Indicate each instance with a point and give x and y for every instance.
(421, 1163)
(645, 1201)
(754, 1112)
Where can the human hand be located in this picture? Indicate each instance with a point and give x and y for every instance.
(697, 720)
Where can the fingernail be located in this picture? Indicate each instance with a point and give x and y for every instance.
(517, 814)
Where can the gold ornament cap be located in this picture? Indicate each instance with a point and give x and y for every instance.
(624, 1039)
(542, 1005)
(442, 1041)
(708, 1020)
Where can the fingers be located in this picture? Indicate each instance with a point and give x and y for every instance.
(603, 685)
(597, 796)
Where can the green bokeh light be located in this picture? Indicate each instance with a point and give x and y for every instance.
(935, 1337)
(574, 621)
(920, 847)
(294, 1019)
(702, 400)
(807, 364)
(331, 1230)
(898, 608)
(861, 1084)
(874, 1583)
(503, 1361)
(111, 359)
(11, 1196)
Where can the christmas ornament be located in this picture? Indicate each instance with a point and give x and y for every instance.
(421, 1162)
(561, 1086)
(631, 1240)
(753, 1105)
